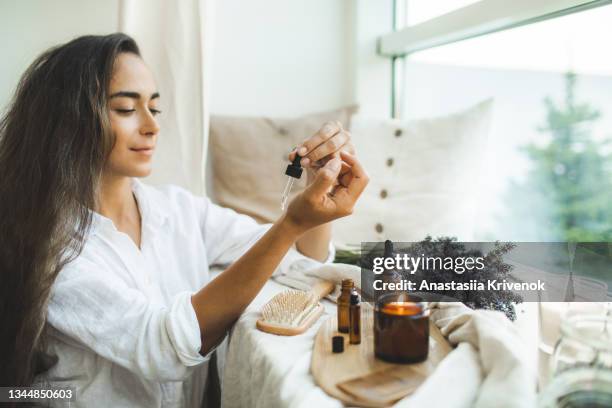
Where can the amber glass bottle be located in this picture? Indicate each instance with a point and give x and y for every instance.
(355, 318)
(343, 305)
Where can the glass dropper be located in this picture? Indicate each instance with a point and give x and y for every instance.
(293, 172)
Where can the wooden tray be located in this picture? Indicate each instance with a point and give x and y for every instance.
(329, 369)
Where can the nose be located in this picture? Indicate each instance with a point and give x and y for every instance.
(149, 125)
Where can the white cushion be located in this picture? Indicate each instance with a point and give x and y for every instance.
(431, 185)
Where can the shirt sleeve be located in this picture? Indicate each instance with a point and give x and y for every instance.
(100, 312)
(228, 235)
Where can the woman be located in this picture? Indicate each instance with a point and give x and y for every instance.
(104, 279)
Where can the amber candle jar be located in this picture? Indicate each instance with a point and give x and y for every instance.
(401, 329)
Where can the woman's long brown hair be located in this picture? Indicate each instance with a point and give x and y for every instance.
(54, 139)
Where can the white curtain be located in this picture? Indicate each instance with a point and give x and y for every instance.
(174, 38)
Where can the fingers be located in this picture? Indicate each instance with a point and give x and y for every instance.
(340, 140)
(349, 147)
(345, 179)
(359, 179)
(330, 146)
(329, 139)
(325, 179)
(328, 130)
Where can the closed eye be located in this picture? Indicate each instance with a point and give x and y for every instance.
(154, 112)
(125, 111)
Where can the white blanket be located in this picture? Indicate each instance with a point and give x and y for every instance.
(304, 279)
(491, 366)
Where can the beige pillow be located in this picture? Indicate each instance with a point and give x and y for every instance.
(424, 176)
(248, 158)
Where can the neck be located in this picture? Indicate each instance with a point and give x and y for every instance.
(115, 198)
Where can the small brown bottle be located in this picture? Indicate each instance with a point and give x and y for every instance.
(343, 302)
(355, 318)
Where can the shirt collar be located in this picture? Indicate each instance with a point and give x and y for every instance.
(151, 211)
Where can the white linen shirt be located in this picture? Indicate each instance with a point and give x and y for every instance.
(120, 318)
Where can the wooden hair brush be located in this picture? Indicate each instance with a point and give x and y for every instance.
(292, 312)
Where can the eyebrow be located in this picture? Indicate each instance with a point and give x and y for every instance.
(130, 94)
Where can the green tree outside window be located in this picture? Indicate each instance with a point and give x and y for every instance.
(567, 195)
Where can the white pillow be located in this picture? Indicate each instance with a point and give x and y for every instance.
(424, 177)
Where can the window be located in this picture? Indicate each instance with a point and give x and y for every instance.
(548, 170)
(418, 11)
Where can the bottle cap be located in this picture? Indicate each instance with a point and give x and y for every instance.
(388, 249)
(337, 344)
(294, 169)
(354, 298)
(347, 283)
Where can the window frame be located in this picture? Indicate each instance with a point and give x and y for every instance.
(477, 19)
(474, 20)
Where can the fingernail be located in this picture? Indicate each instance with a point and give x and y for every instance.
(334, 164)
(304, 162)
(302, 151)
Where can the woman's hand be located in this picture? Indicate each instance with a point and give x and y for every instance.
(331, 195)
(325, 145)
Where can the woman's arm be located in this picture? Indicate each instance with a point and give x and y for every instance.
(220, 303)
(315, 243)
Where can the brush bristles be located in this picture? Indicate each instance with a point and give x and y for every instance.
(289, 308)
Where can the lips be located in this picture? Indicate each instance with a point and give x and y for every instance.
(147, 150)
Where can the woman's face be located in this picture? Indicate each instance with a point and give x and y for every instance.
(133, 105)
